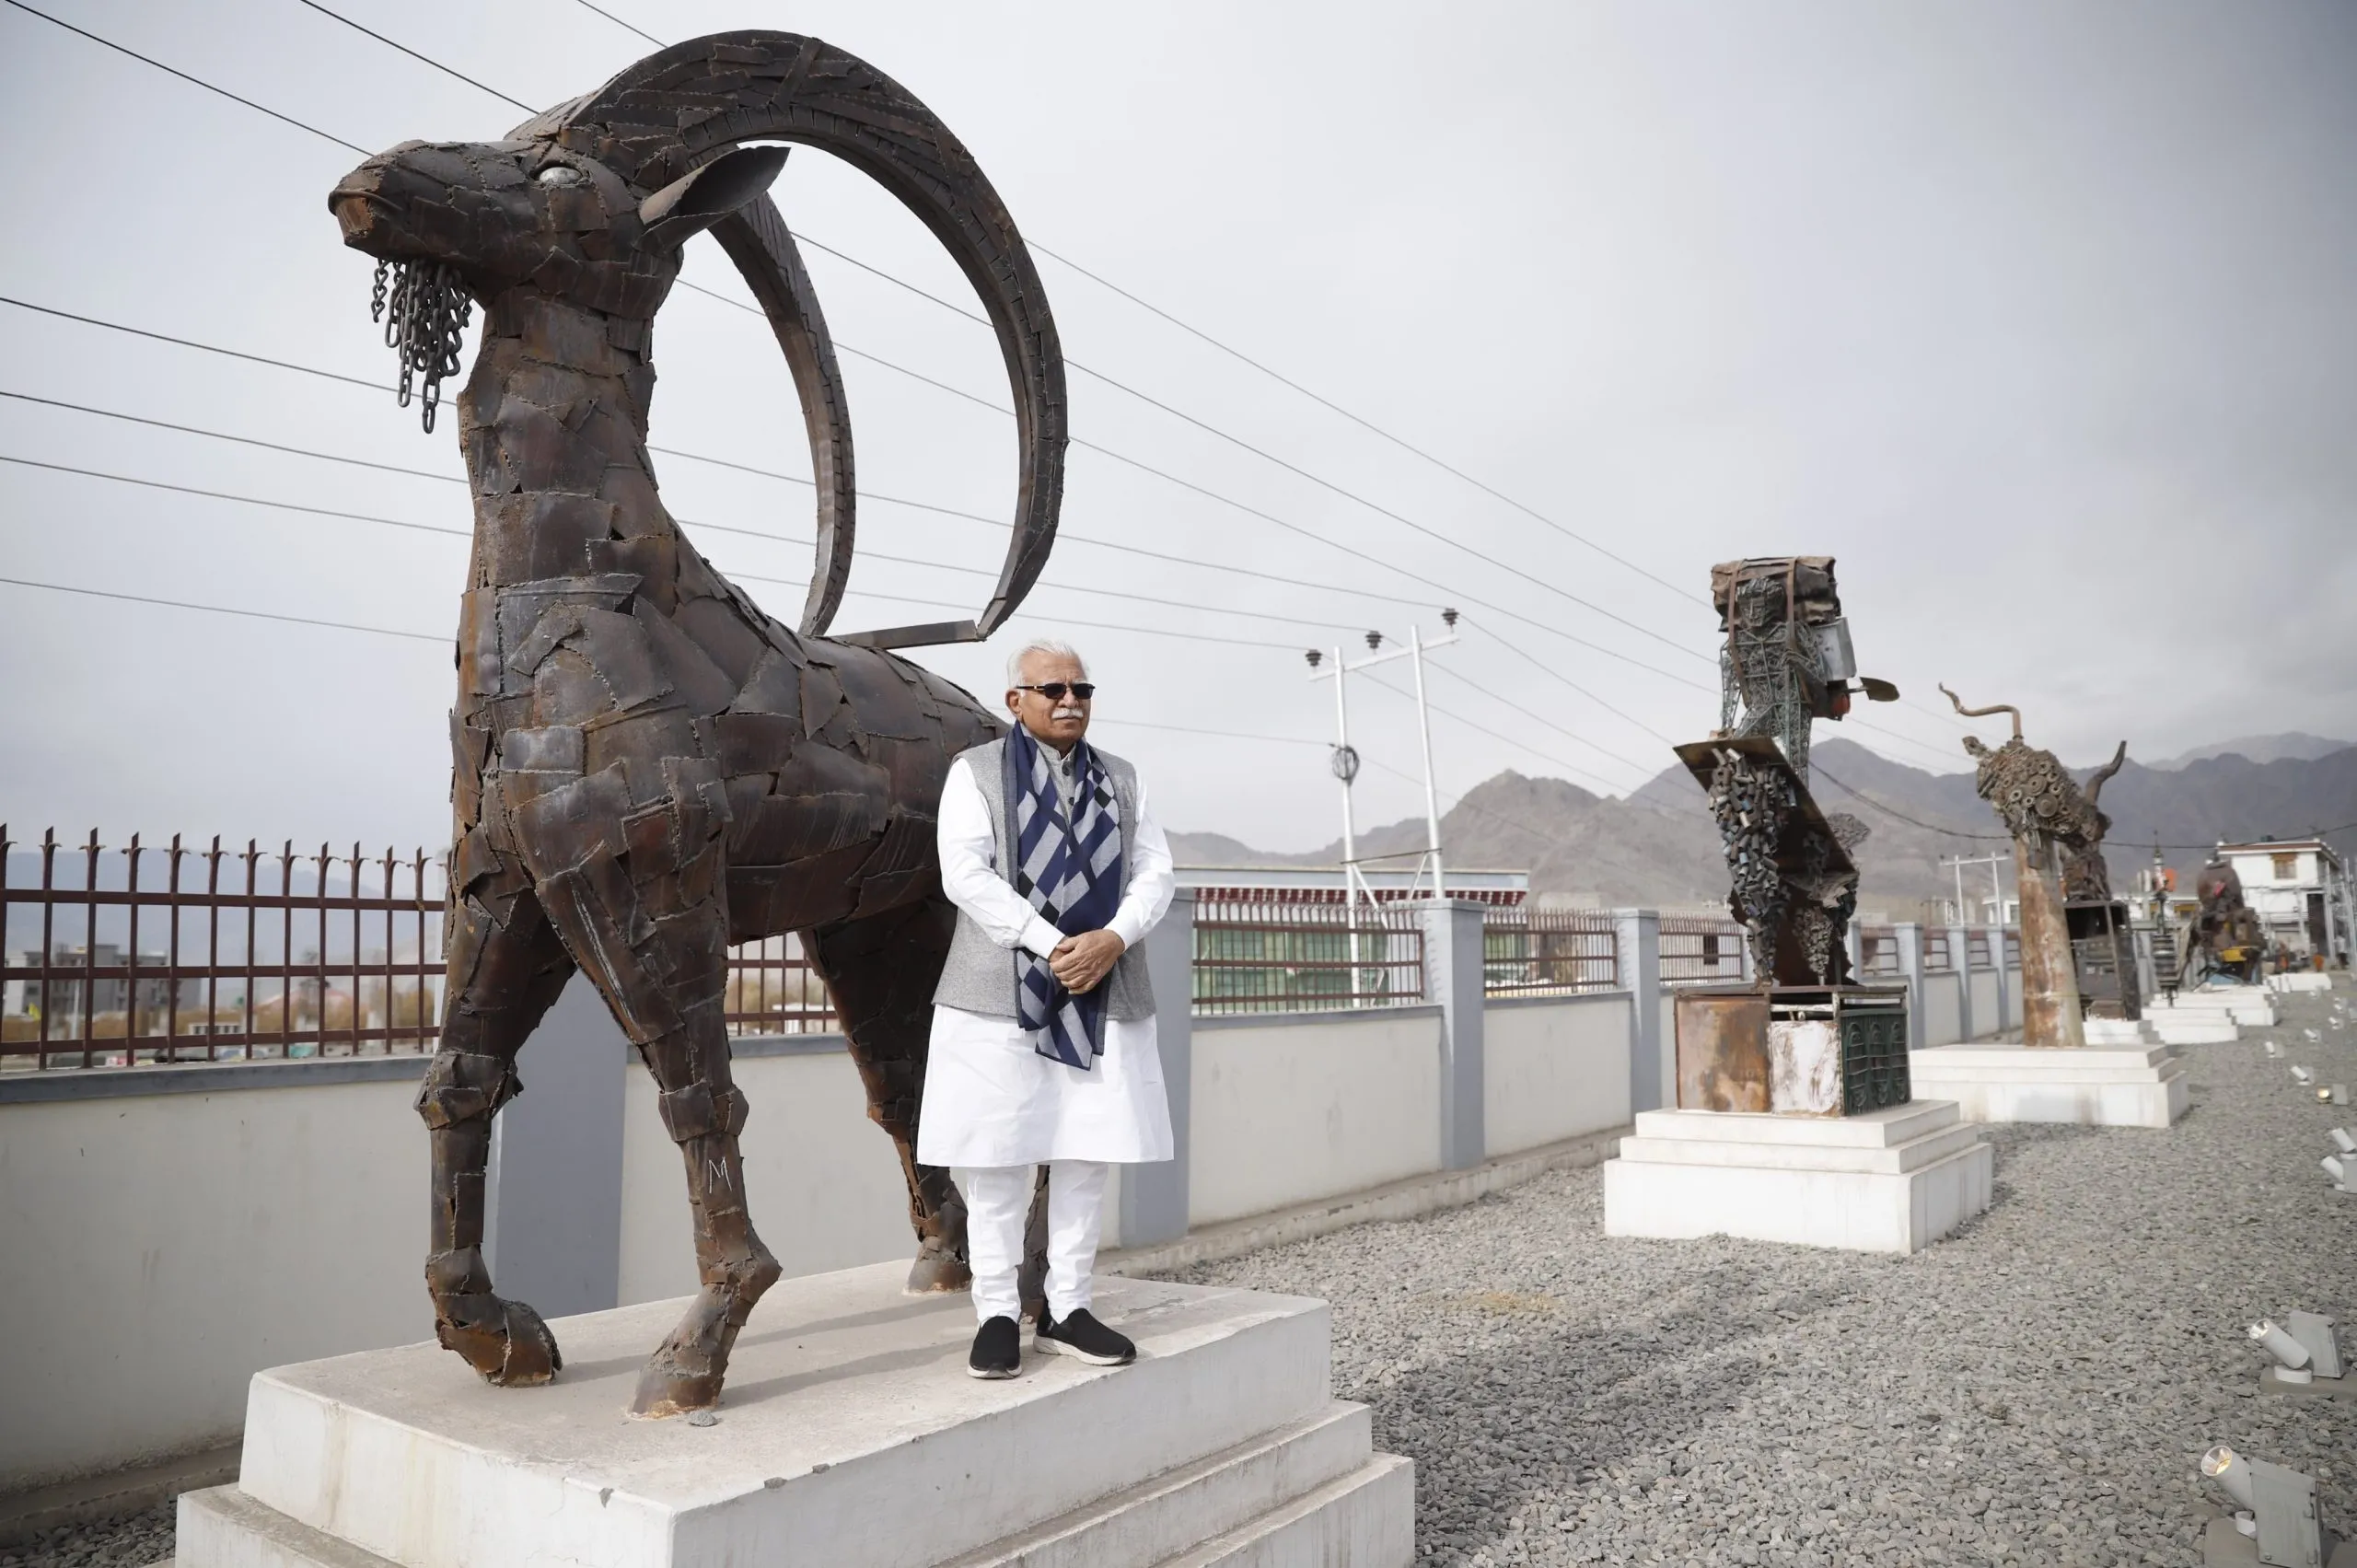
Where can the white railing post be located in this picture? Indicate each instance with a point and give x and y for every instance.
(1155, 1198)
(1909, 938)
(1638, 932)
(1961, 961)
(1454, 977)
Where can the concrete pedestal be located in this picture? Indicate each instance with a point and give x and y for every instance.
(2139, 1086)
(2117, 1032)
(2208, 1017)
(1890, 1181)
(849, 1436)
(2299, 979)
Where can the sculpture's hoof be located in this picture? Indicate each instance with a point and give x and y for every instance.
(937, 1273)
(505, 1341)
(665, 1392)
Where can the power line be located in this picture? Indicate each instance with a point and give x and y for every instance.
(1269, 456)
(622, 24)
(1235, 353)
(421, 59)
(1549, 670)
(1363, 423)
(1063, 537)
(225, 610)
(1375, 680)
(1231, 502)
(192, 81)
(1540, 718)
(776, 539)
(226, 495)
(224, 436)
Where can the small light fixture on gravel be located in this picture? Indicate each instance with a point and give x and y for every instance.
(2277, 1506)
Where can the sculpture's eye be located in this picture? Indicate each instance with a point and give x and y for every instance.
(562, 174)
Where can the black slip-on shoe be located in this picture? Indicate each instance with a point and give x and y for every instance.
(998, 1350)
(1082, 1335)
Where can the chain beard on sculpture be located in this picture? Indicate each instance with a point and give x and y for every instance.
(425, 315)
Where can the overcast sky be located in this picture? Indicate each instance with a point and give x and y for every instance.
(2039, 317)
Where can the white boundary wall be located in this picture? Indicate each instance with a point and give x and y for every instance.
(1553, 1069)
(168, 1232)
(1290, 1108)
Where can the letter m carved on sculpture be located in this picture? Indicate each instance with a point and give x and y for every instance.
(647, 768)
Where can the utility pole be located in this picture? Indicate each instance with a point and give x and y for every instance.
(1346, 768)
(1996, 886)
(1346, 758)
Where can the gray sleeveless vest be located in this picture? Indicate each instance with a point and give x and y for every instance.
(980, 975)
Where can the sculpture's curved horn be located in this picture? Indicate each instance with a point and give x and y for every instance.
(2096, 780)
(756, 238)
(671, 112)
(1984, 713)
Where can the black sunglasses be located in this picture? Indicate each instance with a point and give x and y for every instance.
(1055, 689)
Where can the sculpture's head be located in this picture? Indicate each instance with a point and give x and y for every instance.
(498, 216)
(589, 202)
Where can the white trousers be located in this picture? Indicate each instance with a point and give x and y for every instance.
(998, 1204)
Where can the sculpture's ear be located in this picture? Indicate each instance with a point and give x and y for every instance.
(696, 201)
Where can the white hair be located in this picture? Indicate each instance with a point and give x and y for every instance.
(1040, 645)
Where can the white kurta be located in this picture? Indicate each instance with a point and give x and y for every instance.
(990, 1098)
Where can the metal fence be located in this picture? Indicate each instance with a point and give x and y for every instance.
(1938, 957)
(110, 957)
(1976, 950)
(1702, 949)
(1528, 952)
(1294, 952)
(2013, 948)
(1878, 951)
(773, 990)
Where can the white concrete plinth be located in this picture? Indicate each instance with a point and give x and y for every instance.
(850, 1434)
(2196, 1018)
(2299, 979)
(2141, 1085)
(1892, 1180)
(2119, 1032)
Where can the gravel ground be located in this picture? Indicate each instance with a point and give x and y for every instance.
(2035, 1389)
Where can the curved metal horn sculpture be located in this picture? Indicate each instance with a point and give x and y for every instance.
(683, 106)
(2096, 780)
(1984, 713)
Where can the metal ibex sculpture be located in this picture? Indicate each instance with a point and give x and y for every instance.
(647, 768)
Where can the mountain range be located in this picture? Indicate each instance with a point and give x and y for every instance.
(1658, 848)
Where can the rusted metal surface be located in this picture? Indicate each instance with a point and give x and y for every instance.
(2103, 959)
(1794, 884)
(1838, 1050)
(648, 767)
(1528, 952)
(2043, 810)
(1256, 953)
(1721, 1049)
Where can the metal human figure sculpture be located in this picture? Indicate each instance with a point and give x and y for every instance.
(2043, 811)
(646, 766)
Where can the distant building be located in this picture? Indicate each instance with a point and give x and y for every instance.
(2300, 891)
(1323, 884)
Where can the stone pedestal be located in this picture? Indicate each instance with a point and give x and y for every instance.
(2128, 1085)
(2299, 980)
(1890, 1181)
(849, 1436)
(2211, 1014)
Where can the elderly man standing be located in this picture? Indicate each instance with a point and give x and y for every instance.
(1043, 1041)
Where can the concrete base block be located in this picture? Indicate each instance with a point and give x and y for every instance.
(2302, 979)
(850, 1434)
(1892, 1181)
(2343, 1387)
(2115, 1033)
(2223, 1546)
(2140, 1085)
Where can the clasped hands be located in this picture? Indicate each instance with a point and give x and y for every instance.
(1080, 962)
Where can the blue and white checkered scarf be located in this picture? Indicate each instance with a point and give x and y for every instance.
(1071, 872)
